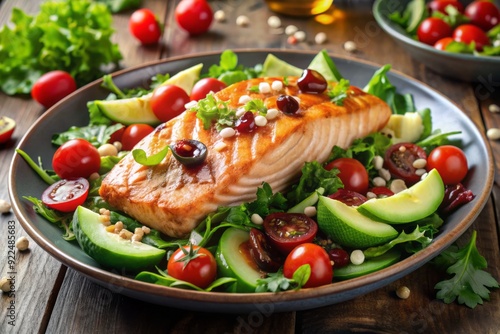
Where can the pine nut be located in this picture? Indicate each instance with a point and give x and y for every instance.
(403, 292)
(22, 243)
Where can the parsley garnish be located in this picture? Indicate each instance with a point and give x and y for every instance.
(276, 282)
(256, 105)
(210, 109)
(339, 92)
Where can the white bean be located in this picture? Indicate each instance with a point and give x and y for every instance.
(493, 133)
(357, 257)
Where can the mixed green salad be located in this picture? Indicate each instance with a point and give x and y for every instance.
(368, 206)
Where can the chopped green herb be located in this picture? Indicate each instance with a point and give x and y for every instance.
(339, 92)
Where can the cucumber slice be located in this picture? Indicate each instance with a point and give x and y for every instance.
(232, 263)
(418, 12)
(109, 249)
(367, 267)
(309, 201)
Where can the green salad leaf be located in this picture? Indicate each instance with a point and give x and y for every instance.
(116, 6)
(73, 36)
(61, 219)
(97, 135)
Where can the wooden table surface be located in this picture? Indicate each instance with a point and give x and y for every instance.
(52, 298)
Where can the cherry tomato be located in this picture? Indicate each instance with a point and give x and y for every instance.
(194, 16)
(483, 14)
(193, 264)
(399, 160)
(440, 5)
(52, 87)
(316, 257)
(287, 230)
(451, 163)
(76, 158)
(352, 173)
(133, 134)
(7, 126)
(381, 192)
(66, 195)
(443, 43)
(432, 29)
(144, 26)
(468, 33)
(117, 135)
(348, 197)
(168, 101)
(204, 86)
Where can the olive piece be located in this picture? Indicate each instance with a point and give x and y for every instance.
(312, 81)
(263, 253)
(189, 152)
(287, 104)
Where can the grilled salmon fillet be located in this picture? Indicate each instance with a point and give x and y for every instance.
(174, 199)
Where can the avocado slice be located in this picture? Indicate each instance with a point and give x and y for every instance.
(275, 67)
(232, 263)
(138, 110)
(324, 64)
(109, 249)
(417, 202)
(346, 226)
(367, 267)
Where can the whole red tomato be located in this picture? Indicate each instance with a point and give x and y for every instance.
(76, 158)
(443, 43)
(193, 264)
(468, 33)
(440, 5)
(451, 163)
(144, 26)
(194, 16)
(52, 87)
(204, 86)
(352, 173)
(484, 14)
(168, 101)
(316, 257)
(432, 29)
(133, 134)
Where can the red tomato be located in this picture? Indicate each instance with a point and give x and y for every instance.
(440, 5)
(133, 134)
(451, 163)
(287, 230)
(316, 257)
(76, 158)
(168, 101)
(352, 173)
(144, 26)
(348, 197)
(204, 86)
(52, 87)
(443, 43)
(381, 192)
(484, 14)
(468, 33)
(117, 135)
(399, 160)
(194, 16)
(432, 29)
(7, 126)
(66, 195)
(195, 265)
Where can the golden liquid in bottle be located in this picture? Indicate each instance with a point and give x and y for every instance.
(299, 7)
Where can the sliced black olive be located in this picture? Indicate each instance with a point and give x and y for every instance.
(189, 152)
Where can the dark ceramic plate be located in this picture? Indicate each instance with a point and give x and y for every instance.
(72, 111)
(464, 67)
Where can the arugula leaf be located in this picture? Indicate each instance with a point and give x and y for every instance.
(153, 160)
(97, 135)
(437, 138)
(417, 236)
(229, 71)
(71, 35)
(61, 219)
(469, 284)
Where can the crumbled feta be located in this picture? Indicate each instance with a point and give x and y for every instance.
(277, 85)
(260, 120)
(244, 99)
(272, 113)
(264, 87)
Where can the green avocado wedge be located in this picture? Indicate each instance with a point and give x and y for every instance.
(349, 228)
(138, 110)
(232, 263)
(417, 202)
(109, 249)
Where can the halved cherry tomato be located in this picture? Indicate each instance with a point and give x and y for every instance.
(66, 195)
(468, 33)
(316, 257)
(194, 16)
(432, 29)
(263, 253)
(443, 43)
(7, 126)
(451, 163)
(133, 134)
(352, 173)
(287, 230)
(52, 87)
(144, 26)
(399, 160)
(168, 101)
(483, 14)
(204, 86)
(193, 264)
(381, 192)
(440, 5)
(76, 158)
(348, 197)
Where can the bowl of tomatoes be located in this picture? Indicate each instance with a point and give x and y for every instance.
(458, 39)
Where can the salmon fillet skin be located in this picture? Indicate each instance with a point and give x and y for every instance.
(174, 199)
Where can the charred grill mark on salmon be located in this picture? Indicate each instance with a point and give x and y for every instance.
(174, 199)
